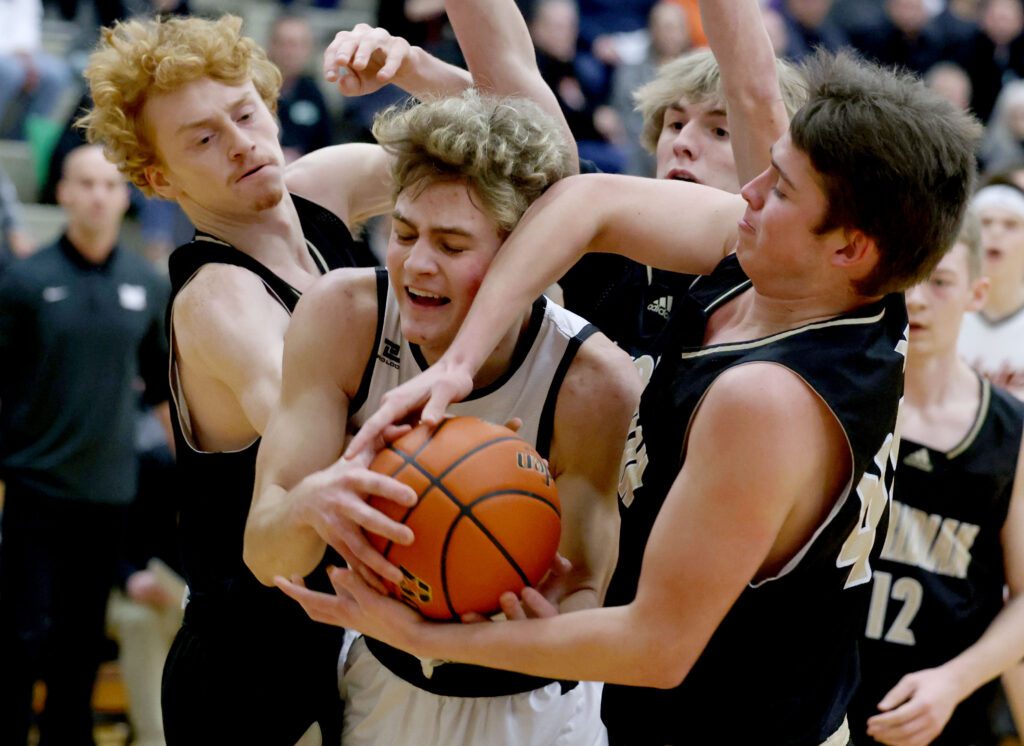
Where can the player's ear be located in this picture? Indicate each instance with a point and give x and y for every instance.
(158, 182)
(858, 254)
(978, 293)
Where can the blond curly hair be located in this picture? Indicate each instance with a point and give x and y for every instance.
(508, 149)
(135, 59)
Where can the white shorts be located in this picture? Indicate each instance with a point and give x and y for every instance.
(382, 709)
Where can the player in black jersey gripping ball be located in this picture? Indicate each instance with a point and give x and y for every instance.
(937, 632)
(759, 471)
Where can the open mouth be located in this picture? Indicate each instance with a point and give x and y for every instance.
(426, 299)
(993, 254)
(678, 174)
(252, 171)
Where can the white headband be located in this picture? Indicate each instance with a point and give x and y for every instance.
(1004, 197)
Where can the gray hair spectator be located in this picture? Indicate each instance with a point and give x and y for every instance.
(1003, 145)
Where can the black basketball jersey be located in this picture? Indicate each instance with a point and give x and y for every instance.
(629, 302)
(938, 583)
(216, 487)
(781, 667)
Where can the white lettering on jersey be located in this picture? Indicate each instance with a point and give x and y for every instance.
(874, 491)
(907, 590)
(929, 541)
(634, 457)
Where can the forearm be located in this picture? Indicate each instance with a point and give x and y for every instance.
(999, 649)
(539, 251)
(276, 542)
(499, 52)
(612, 645)
(746, 61)
(425, 76)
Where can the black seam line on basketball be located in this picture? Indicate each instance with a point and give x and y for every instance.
(468, 512)
(464, 510)
(523, 493)
(409, 459)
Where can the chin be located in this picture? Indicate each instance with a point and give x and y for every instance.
(270, 199)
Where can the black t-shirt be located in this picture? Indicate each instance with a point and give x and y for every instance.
(74, 339)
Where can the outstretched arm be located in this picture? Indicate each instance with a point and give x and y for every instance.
(499, 52)
(917, 709)
(635, 217)
(746, 61)
(719, 527)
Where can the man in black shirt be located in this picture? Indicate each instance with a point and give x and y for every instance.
(79, 322)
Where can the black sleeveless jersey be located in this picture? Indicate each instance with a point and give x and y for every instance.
(216, 487)
(781, 667)
(939, 581)
(629, 302)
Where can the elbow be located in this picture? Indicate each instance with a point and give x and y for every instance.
(253, 560)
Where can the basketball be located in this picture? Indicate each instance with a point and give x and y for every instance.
(487, 520)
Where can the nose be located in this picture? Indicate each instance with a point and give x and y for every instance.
(915, 297)
(240, 141)
(754, 190)
(685, 143)
(420, 259)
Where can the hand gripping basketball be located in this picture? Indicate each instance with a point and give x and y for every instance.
(487, 520)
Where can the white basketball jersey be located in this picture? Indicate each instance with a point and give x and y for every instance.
(527, 390)
(995, 349)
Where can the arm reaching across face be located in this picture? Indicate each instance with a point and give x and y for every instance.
(635, 217)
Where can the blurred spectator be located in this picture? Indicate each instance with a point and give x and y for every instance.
(808, 26)
(82, 320)
(992, 340)
(31, 81)
(145, 609)
(611, 33)
(906, 36)
(692, 9)
(1003, 145)
(997, 54)
(669, 34)
(950, 81)
(554, 31)
(422, 23)
(958, 20)
(301, 109)
(107, 11)
(854, 15)
(777, 29)
(15, 243)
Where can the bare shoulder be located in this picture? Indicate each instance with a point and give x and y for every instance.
(342, 302)
(350, 180)
(602, 385)
(334, 326)
(225, 305)
(771, 405)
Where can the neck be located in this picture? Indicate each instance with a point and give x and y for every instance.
(94, 246)
(1004, 298)
(272, 236)
(757, 315)
(931, 379)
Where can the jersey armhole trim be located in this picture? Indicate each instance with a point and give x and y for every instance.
(546, 425)
(364, 384)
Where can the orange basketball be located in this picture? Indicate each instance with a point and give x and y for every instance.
(487, 520)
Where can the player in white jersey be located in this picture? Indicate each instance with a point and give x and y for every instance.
(992, 339)
(465, 170)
